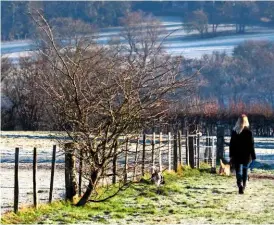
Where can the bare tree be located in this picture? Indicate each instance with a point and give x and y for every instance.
(7, 108)
(144, 36)
(20, 88)
(241, 13)
(197, 20)
(98, 94)
(6, 67)
(69, 31)
(259, 70)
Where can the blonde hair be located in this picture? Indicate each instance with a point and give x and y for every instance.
(242, 122)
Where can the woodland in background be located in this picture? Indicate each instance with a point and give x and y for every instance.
(225, 87)
(203, 16)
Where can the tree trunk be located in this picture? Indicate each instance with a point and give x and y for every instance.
(243, 28)
(221, 101)
(70, 171)
(191, 146)
(89, 190)
(237, 28)
(220, 142)
(214, 29)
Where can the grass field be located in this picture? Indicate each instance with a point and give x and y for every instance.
(189, 197)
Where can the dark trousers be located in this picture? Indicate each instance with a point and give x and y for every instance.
(241, 173)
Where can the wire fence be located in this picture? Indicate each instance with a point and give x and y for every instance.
(264, 149)
(142, 154)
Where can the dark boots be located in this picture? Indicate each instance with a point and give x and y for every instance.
(241, 187)
(244, 185)
(241, 190)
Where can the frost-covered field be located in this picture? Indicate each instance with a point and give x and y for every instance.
(44, 142)
(189, 197)
(26, 185)
(264, 149)
(26, 141)
(175, 44)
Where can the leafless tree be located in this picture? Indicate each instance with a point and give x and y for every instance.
(7, 108)
(197, 20)
(98, 94)
(5, 67)
(69, 31)
(145, 36)
(20, 88)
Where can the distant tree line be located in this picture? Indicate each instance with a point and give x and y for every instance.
(203, 16)
(245, 77)
(16, 23)
(231, 85)
(240, 13)
(225, 87)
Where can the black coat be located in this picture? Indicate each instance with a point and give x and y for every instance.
(241, 148)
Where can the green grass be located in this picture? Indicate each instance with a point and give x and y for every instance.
(265, 171)
(189, 196)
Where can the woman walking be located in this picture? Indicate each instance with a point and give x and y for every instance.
(241, 150)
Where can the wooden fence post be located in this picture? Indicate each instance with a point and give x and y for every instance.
(126, 162)
(52, 173)
(169, 151)
(175, 156)
(207, 148)
(70, 171)
(34, 178)
(153, 152)
(198, 151)
(160, 151)
(191, 151)
(136, 159)
(187, 148)
(114, 163)
(180, 146)
(80, 172)
(220, 143)
(213, 161)
(192, 147)
(144, 154)
(195, 151)
(16, 181)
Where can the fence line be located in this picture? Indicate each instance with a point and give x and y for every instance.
(142, 154)
(52, 173)
(34, 178)
(16, 181)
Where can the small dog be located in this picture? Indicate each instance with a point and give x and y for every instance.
(157, 178)
(224, 169)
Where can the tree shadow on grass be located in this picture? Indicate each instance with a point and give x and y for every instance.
(196, 188)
